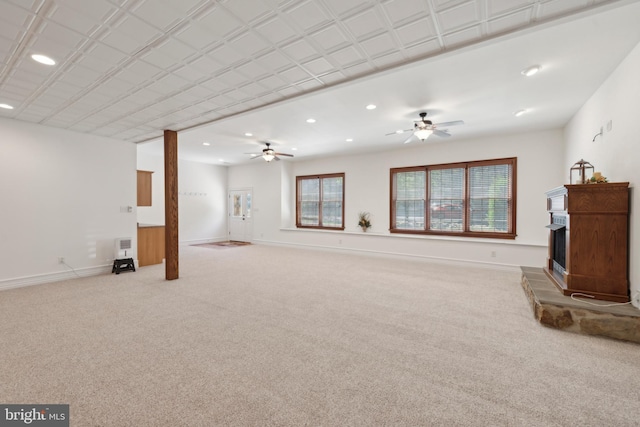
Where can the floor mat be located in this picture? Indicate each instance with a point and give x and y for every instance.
(228, 244)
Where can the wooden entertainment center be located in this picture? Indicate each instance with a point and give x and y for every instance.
(588, 240)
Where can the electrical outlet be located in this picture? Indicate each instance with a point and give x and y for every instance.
(61, 260)
(637, 298)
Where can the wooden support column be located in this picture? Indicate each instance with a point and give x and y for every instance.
(171, 203)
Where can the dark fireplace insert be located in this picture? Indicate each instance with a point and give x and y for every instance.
(559, 238)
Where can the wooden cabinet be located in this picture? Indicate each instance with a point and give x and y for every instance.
(588, 240)
(150, 244)
(144, 188)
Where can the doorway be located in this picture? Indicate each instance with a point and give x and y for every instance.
(240, 221)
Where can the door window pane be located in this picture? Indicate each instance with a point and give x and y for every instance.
(247, 201)
(237, 205)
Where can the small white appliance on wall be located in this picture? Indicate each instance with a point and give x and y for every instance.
(123, 248)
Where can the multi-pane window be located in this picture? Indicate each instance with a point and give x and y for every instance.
(446, 199)
(470, 199)
(410, 193)
(490, 198)
(320, 201)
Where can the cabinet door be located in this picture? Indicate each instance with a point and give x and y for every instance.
(144, 188)
(151, 248)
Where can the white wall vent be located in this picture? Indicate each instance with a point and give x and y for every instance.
(123, 248)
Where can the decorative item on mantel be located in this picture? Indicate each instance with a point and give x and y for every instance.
(582, 167)
(597, 178)
(363, 220)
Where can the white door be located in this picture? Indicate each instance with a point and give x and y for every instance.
(240, 223)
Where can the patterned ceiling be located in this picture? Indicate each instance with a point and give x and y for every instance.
(128, 69)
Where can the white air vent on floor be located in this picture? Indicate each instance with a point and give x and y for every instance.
(123, 248)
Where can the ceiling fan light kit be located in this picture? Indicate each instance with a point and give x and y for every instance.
(423, 128)
(423, 134)
(269, 154)
(268, 157)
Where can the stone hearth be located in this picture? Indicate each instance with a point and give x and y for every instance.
(555, 310)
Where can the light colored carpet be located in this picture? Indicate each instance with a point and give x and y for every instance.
(270, 336)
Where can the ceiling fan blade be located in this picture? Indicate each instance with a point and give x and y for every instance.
(256, 157)
(408, 140)
(441, 133)
(283, 154)
(399, 132)
(453, 123)
(276, 158)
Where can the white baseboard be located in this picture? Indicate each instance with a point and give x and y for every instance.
(442, 260)
(203, 241)
(54, 277)
(104, 269)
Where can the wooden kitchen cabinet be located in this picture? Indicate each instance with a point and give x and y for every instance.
(150, 244)
(144, 188)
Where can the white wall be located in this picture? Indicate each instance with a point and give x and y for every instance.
(367, 189)
(153, 214)
(265, 180)
(616, 153)
(202, 202)
(63, 194)
(202, 188)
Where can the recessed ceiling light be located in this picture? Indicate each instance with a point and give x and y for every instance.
(222, 160)
(6, 106)
(311, 120)
(206, 143)
(399, 131)
(248, 134)
(43, 59)
(530, 71)
(519, 113)
(294, 149)
(349, 139)
(371, 107)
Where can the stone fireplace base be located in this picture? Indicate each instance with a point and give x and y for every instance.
(555, 310)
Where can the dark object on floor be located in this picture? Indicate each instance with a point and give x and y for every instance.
(227, 244)
(125, 264)
(231, 243)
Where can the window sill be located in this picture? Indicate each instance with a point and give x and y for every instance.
(462, 235)
(375, 234)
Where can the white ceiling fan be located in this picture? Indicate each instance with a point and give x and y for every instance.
(269, 154)
(423, 128)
